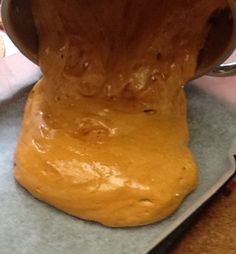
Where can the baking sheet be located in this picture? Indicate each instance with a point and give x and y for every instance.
(29, 226)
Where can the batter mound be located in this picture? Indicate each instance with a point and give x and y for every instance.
(105, 136)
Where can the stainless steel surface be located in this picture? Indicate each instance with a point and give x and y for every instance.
(18, 22)
(224, 70)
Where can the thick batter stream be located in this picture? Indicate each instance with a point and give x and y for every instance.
(104, 135)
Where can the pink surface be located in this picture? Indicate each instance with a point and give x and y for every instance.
(223, 88)
(16, 71)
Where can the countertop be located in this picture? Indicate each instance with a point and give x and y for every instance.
(215, 229)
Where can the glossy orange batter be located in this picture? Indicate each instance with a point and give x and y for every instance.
(104, 135)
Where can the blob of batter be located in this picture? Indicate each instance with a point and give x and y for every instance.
(104, 134)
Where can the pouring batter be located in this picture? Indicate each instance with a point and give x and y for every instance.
(105, 135)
